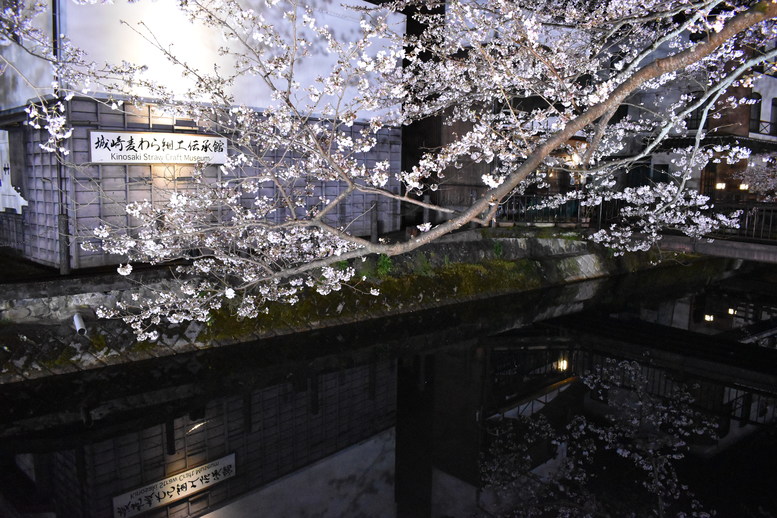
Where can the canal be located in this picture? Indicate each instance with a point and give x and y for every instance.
(428, 414)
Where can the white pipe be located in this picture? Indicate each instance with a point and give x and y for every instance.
(78, 322)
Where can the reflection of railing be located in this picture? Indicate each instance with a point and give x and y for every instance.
(753, 408)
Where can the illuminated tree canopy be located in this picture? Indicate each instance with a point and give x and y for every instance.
(609, 84)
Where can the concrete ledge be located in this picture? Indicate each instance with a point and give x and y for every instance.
(721, 248)
(39, 338)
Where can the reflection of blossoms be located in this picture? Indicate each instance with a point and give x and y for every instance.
(647, 427)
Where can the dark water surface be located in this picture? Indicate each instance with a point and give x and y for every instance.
(389, 417)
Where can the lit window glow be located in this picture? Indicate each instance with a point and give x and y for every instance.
(562, 365)
(743, 187)
(709, 318)
(732, 311)
(720, 186)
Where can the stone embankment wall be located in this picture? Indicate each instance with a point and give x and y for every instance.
(39, 339)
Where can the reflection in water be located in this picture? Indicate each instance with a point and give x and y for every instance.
(532, 372)
(327, 423)
(609, 446)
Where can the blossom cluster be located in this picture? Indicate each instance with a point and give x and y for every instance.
(521, 87)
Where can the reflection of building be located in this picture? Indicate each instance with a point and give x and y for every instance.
(111, 448)
(730, 380)
(447, 398)
(444, 400)
(741, 309)
(72, 443)
(278, 404)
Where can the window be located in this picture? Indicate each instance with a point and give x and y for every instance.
(755, 113)
(529, 104)
(773, 119)
(694, 119)
(759, 51)
(621, 113)
(767, 67)
(647, 174)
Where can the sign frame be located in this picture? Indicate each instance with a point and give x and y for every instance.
(154, 147)
(173, 488)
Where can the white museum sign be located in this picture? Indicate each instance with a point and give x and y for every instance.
(139, 147)
(174, 488)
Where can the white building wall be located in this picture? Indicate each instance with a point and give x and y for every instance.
(29, 76)
(109, 33)
(114, 32)
(766, 86)
(357, 481)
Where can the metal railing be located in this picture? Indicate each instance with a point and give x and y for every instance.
(757, 222)
(763, 127)
(531, 209)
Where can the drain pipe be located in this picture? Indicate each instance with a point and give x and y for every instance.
(78, 324)
(64, 242)
(63, 230)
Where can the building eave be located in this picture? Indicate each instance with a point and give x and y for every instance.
(755, 145)
(12, 117)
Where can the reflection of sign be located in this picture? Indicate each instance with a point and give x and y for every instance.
(174, 488)
(125, 147)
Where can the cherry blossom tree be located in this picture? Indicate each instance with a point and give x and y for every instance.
(760, 175)
(662, 62)
(470, 62)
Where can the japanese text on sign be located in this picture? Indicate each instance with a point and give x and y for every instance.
(174, 488)
(123, 147)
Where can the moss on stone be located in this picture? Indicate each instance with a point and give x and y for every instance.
(497, 247)
(224, 324)
(384, 266)
(631, 262)
(98, 342)
(143, 346)
(422, 265)
(63, 358)
(532, 232)
(365, 267)
(428, 287)
(490, 277)
(421, 286)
